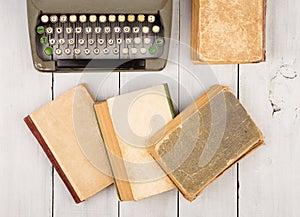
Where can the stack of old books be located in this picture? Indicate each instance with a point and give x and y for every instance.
(134, 141)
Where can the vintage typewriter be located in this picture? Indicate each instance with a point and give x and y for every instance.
(72, 35)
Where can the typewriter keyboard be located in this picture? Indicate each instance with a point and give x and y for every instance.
(106, 36)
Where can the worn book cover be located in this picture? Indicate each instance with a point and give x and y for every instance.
(228, 31)
(126, 122)
(203, 141)
(67, 130)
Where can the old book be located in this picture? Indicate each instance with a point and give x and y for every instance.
(228, 31)
(204, 140)
(126, 122)
(67, 130)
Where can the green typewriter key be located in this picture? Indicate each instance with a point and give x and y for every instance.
(48, 51)
(44, 40)
(152, 50)
(159, 42)
(40, 29)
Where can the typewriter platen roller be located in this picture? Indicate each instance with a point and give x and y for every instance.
(97, 34)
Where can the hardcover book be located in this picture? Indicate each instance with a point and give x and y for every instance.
(67, 130)
(204, 140)
(126, 122)
(228, 31)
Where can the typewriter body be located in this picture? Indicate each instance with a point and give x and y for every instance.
(120, 35)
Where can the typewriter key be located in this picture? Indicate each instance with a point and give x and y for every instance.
(53, 19)
(152, 50)
(96, 51)
(101, 41)
(126, 29)
(137, 40)
(82, 18)
(77, 51)
(128, 40)
(73, 18)
(106, 29)
(141, 18)
(136, 29)
(44, 19)
(40, 30)
(147, 40)
(91, 41)
(112, 18)
(58, 30)
(143, 50)
(44, 40)
(71, 41)
(87, 51)
(67, 51)
(63, 18)
(93, 18)
(134, 51)
(125, 50)
(151, 18)
(97, 30)
(88, 30)
(69, 30)
(61, 41)
(49, 30)
(121, 18)
(159, 42)
(131, 18)
(115, 50)
(155, 29)
(78, 30)
(58, 51)
(102, 18)
(48, 51)
(106, 50)
(119, 40)
(52, 41)
(145, 29)
(117, 29)
(81, 41)
(110, 41)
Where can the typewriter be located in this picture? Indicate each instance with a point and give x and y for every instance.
(120, 35)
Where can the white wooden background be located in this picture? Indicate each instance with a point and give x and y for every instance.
(265, 184)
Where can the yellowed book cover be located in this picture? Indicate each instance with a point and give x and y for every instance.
(67, 130)
(126, 123)
(204, 140)
(228, 32)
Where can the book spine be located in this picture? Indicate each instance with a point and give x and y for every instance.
(195, 15)
(170, 102)
(113, 151)
(29, 122)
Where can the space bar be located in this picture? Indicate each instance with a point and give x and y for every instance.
(102, 63)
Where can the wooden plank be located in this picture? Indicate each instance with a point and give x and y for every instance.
(164, 204)
(220, 197)
(105, 203)
(25, 170)
(269, 178)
